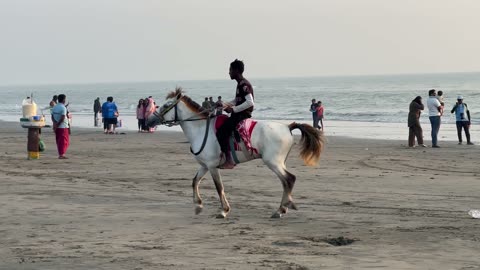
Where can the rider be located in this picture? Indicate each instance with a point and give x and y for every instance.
(240, 108)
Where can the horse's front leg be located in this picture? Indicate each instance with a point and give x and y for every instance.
(221, 193)
(197, 199)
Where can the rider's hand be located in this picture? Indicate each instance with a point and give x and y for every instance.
(229, 109)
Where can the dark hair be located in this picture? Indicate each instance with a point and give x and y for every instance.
(206, 98)
(219, 97)
(61, 98)
(237, 65)
(431, 92)
(55, 97)
(418, 100)
(140, 103)
(440, 93)
(110, 99)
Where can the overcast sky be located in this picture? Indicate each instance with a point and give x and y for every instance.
(80, 41)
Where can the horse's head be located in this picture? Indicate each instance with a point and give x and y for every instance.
(167, 113)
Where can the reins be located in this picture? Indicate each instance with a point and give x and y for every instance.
(176, 121)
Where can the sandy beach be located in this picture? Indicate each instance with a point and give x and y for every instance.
(125, 202)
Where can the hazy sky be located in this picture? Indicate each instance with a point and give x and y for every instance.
(77, 41)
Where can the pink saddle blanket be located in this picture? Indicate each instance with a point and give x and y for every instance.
(244, 128)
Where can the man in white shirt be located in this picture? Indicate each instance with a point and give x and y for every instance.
(434, 113)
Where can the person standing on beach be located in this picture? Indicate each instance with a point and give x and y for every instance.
(212, 103)
(96, 109)
(53, 102)
(206, 104)
(60, 126)
(149, 110)
(434, 113)
(319, 115)
(313, 110)
(462, 115)
(140, 115)
(110, 114)
(240, 108)
(415, 129)
(219, 106)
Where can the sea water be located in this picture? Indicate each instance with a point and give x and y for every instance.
(363, 99)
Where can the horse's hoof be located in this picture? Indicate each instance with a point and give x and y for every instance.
(291, 205)
(198, 209)
(276, 215)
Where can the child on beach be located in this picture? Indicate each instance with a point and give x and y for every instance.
(440, 99)
(141, 115)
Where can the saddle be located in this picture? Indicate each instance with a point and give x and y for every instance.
(242, 133)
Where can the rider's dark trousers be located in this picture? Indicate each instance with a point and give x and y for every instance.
(224, 132)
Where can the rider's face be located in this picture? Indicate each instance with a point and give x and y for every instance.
(232, 73)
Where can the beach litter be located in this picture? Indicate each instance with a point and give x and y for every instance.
(474, 213)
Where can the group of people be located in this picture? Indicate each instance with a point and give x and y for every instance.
(316, 108)
(145, 108)
(436, 107)
(211, 105)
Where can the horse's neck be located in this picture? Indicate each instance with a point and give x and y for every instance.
(192, 129)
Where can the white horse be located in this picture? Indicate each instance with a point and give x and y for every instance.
(272, 140)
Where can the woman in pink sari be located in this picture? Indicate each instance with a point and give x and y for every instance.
(149, 110)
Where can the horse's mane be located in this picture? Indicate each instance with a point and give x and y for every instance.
(191, 104)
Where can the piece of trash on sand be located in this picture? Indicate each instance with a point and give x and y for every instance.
(474, 213)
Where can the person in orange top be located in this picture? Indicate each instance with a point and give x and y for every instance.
(319, 109)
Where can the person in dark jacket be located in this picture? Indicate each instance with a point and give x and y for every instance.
(97, 107)
(415, 129)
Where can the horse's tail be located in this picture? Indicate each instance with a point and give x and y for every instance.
(312, 143)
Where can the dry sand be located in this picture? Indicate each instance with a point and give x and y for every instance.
(125, 202)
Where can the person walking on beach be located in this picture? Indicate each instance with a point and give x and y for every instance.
(206, 104)
(60, 126)
(462, 115)
(97, 107)
(313, 110)
(240, 108)
(219, 106)
(434, 113)
(415, 129)
(319, 115)
(110, 114)
(141, 115)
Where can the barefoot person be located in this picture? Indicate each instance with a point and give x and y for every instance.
(240, 108)
(462, 115)
(60, 126)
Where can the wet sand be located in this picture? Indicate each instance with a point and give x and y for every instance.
(125, 202)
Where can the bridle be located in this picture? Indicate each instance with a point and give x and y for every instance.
(177, 121)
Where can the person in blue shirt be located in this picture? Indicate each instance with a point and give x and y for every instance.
(462, 115)
(109, 114)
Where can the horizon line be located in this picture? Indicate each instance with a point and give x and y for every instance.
(253, 78)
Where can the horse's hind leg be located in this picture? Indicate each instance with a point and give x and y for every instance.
(288, 181)
(221, 193)
(197, 199)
